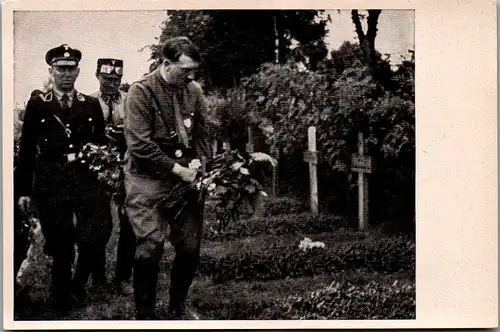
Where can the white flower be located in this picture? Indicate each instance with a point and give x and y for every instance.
(260, 156)
(194, 164)
(211, 187)
(244, 171)
(236, 166)
(307, 243)
(263, 193)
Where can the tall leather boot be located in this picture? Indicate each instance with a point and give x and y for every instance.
(82, 272)
(182, 275)
(126, 249)
(99, 267)
(145, 282)
(61, 282)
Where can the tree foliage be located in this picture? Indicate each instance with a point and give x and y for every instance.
(340, 101)
(235, 43)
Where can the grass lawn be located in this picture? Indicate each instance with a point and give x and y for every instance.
(234, 298)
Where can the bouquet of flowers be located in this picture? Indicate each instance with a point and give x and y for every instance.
(229, 182)
(105, 161)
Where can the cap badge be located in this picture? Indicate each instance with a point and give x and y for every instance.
(113, 62)
(66, 54)
(80, 97)
(66, 47)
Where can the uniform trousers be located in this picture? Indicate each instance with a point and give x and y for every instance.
(126, 241)
(149, 221)
(62, 191)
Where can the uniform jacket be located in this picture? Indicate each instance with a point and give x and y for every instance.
(118, 118)
(149, 128)
(118, 107)
(43, 138)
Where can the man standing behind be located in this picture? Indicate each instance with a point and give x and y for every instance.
(165, 130)
(109, 73)
(56, 125)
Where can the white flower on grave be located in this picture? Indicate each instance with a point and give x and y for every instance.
(307, 243)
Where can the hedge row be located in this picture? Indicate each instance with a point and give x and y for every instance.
(272, 207)
(279, 225)
(383, 255)
(348, 301)
(284, 205)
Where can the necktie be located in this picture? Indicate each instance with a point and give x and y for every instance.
(65, 101)
(110, 109)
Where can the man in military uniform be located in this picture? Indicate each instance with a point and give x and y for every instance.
(56, 125)
(165, 129)
(109, 73)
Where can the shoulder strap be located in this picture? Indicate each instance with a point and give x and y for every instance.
(66, 129)
(156, 104)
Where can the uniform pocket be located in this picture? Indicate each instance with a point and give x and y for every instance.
(161, 130)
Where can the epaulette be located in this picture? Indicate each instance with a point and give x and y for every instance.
(46, 96)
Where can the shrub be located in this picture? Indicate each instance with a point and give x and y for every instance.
(280, 225)
(339, 106)
(383, 255)
(284, 205)
(347, 301)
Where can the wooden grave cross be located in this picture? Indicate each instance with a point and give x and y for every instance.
(311, 157)
(275, 154)
(362, 164)
(249, 146)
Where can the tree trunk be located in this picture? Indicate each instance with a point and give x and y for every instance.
(367, 41)
(277, 39)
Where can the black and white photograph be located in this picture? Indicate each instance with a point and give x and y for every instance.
(246, 164)
(214, 165)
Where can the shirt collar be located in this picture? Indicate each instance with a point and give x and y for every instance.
(117, 97)
(60, 93)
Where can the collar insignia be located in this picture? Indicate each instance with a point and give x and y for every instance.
(47, 97)
(80, 96)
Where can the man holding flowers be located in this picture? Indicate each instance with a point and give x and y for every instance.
(166, 131)
(57, 124)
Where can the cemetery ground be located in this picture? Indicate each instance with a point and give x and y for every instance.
(256, 270)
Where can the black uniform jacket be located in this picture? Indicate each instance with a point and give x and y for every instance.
(46, 141)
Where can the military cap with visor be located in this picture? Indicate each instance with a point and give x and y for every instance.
(63, 56)
(110, 67)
